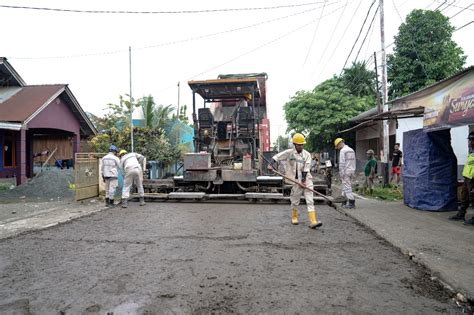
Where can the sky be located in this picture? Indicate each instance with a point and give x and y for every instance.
(298, 43)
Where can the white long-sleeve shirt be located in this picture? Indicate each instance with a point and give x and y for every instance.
(296, 163)
(131, 160)
(110, 165)
(347, 161)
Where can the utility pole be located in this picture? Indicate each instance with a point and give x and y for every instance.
(131, 103)
(379, 110)
(177, 111)
(385, 129)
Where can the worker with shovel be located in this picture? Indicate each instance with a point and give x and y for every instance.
(298, 169)
(110, 167)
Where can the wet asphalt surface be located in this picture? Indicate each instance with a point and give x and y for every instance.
(197, 258)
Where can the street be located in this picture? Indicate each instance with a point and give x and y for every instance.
(197, 258)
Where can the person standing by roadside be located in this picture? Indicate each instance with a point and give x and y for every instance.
(467, 194)
(131, 166)
(396, 161)
(110, 168)
(347, 166)
(298, 168)
(369, 171)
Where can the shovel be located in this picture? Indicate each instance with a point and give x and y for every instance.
(329, 201)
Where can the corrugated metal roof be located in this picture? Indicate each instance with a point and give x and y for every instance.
(8, 75)
(26, 102)
(364, 115)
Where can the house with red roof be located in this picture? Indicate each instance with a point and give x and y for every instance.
(33, 119)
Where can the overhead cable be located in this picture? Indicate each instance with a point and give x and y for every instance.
(340, 39)
(160, 12)
(170, 43)
(358, 36)
(366, 34)
(314, 34)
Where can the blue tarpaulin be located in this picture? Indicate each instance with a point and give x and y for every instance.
(430, 170)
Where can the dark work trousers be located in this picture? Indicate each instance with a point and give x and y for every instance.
(467, 195)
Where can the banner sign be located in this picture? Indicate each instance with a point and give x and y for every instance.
(447, 104)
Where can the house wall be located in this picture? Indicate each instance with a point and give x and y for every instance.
(56, 115)
(368, 138)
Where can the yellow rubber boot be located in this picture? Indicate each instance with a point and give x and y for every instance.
(313, 223)
(294, 216)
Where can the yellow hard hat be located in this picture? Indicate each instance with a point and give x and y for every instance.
(298, 138)
(122, 152)
(337, 141)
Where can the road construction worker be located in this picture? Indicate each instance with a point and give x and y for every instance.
(467, 194)
(110, 168)
(347, 166)
(133, 173)
(298, 164)
(369, 171)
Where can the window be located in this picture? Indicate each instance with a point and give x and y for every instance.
(8, 150)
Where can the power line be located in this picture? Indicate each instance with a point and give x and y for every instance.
(159, 12)
(360, 32)
(453, 5)
(368, 43)
(340, 38)
(366, 34)
(462, 10)
(448, 6)
(171, 42)
(314, 34)
(253, 49)
(411, 40)
(463, 26)
(333, 32)
(263, 45)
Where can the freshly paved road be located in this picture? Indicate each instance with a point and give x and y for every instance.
(196, 258)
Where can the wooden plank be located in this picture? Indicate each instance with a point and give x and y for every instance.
(87, 192)
(46, 162)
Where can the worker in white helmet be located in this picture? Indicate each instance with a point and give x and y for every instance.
(298, 164)
(131, 166)
(110, 168)
(347, 166)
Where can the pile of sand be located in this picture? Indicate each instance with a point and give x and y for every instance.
(50, 184)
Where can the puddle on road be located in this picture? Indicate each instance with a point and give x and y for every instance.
(128, 308)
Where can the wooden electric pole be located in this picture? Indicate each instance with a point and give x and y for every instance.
(385, 128)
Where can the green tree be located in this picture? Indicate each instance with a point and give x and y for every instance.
(155, 116)
(359, 80)
(280, 144)
(424, 53)
(152, 143)
(324, 111)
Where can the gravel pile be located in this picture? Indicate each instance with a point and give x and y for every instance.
(50, 184)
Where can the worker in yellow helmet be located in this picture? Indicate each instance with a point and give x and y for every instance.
(347, 166)
(131, 164)
(298, 164)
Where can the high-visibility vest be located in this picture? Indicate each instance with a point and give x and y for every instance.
(468, 170)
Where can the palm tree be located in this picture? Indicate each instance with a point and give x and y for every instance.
(359, 80)
(155, 116)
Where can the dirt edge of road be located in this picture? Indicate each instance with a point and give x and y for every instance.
(432, 280)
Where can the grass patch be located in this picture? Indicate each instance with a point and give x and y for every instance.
(5, 186)
(390, 193)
